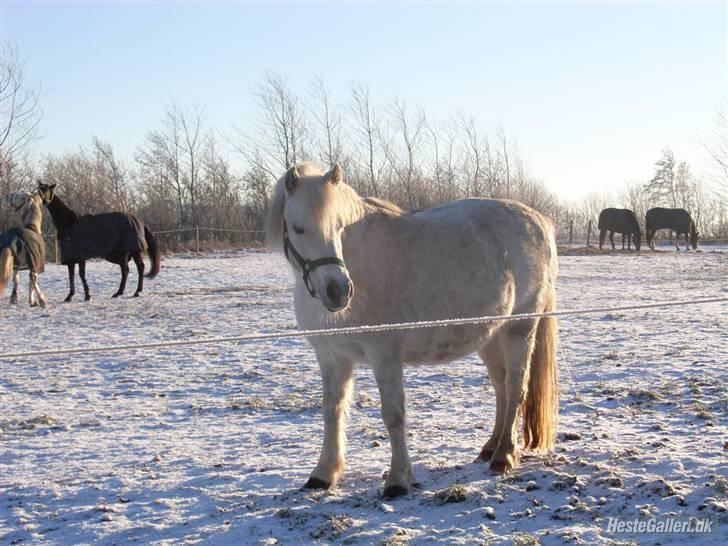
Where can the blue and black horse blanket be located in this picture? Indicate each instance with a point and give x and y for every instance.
(27, 246)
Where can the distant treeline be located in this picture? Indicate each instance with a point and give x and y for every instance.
(186, 173)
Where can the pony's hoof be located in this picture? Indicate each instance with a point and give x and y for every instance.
(34, 304)
(316, 483)
(500, 467)
(485, 455)
(136, 294)
(394, 491)
(68, 299)
(14, 301)
(87, 298)
(115, 296)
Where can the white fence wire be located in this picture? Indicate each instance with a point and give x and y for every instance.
(354, 330)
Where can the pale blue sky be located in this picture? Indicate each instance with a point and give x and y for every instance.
(591, 92)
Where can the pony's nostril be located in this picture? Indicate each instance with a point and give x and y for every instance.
(333, 292)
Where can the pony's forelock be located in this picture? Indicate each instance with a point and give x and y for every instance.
(318, 196)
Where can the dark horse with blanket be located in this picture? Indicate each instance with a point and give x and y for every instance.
(672, 219)
(621, 221)
(116, 236)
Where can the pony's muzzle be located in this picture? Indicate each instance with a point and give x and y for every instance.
(337, 294)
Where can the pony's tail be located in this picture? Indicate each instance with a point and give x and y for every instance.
(6, 268)
(540, 409)
(153, 247)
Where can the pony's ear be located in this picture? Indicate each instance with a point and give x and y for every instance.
(335, 175)
(292, 179)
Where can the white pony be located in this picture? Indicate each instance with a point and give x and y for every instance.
(365, 261)
(23, 248)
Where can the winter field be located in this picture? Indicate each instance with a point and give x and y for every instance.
(210, 444)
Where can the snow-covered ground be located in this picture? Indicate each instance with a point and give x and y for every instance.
(211, 443)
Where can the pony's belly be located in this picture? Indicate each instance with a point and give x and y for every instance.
(443, 344)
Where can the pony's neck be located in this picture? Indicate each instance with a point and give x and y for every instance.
(33, 218)
(63, 216)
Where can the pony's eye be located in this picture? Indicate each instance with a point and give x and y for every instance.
(297, 229)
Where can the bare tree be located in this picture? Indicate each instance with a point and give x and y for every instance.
(411, 132)
(328, 122)
(661, 186)
(20, 111)
(368, 138)
(500, 135)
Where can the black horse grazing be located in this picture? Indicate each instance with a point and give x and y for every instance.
(116, 236)
(621, 221)
(672, 219)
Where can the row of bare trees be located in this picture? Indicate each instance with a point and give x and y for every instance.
(185, 173)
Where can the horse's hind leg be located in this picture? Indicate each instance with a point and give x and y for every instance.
(492, 355)
(34, 288)
(31, 290)
(71, 281)
(517, 342)
(124, 265)
(140, 271)
(388, 373)
(336, 375)
(16, 281)
(611, 238)
(82, 274)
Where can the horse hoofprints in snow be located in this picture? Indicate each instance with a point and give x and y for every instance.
(362, 261)
(622, 221)
(116, 236)
(678, 220)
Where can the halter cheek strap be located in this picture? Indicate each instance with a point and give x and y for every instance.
(307, 266)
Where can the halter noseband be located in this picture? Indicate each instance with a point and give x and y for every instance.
(307, 266)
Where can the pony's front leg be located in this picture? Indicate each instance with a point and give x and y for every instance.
(14, 293)
(336, 374)
(71, 282)
(391, 392)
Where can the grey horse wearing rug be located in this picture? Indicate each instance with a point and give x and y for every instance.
(23, 247)
(364, 261)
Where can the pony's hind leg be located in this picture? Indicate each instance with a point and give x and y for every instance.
(389, 375)
(140, 271)
(82, 274)
(31, 290)
(16, 281)
(336, 375)
(492, 355)
(517, 341)
(35, 289)
(124, 265)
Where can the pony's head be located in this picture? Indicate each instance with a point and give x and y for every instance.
(17, 200)
(308, 213)
(46, 192)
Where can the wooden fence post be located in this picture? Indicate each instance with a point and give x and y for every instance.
(588, 233)
(571, 231)
(197, 238)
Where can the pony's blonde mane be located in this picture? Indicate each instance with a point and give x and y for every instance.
(33, 213)
(332, 205)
